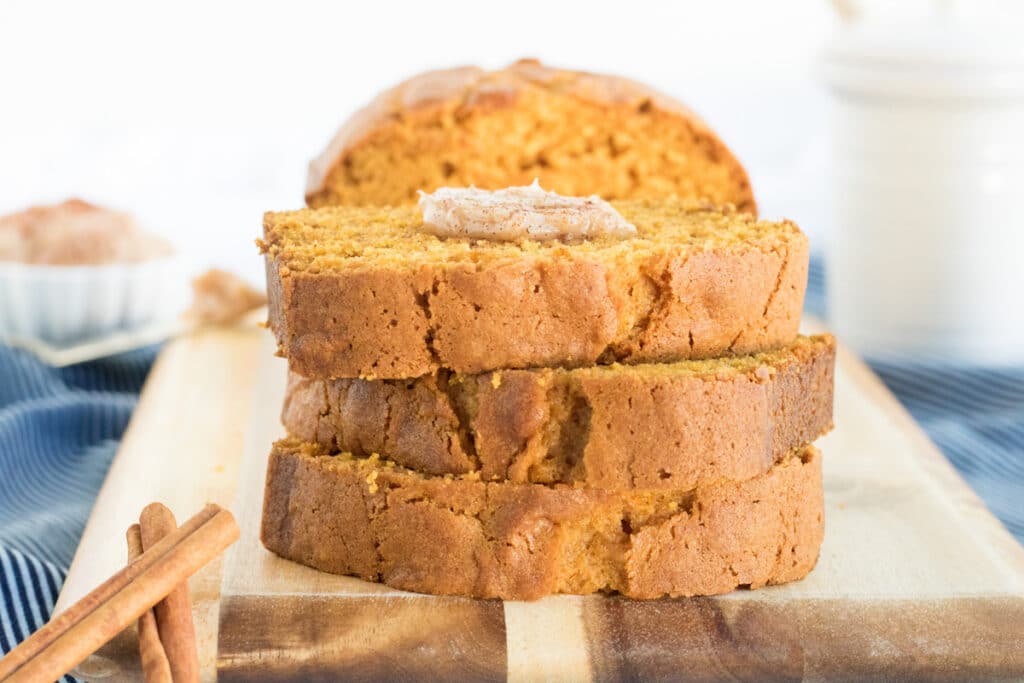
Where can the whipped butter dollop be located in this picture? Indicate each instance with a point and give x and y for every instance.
(526, 212)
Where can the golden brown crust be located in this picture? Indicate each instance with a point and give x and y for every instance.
(555, 131)
(693, 284)
(424, 91)
(673, 426)
(459, 536)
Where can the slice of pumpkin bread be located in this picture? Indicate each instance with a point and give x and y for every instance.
(462, 536)
(366, 292)
(675, 425)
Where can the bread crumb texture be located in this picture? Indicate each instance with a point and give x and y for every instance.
(578, 133)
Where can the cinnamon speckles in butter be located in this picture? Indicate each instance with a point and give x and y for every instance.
(526, 212)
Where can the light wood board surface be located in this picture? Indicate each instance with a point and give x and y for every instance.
(916, 578)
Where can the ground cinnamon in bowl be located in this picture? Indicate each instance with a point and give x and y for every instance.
(74, 272)
(76, 233)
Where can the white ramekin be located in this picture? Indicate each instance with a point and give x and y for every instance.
(68, 304)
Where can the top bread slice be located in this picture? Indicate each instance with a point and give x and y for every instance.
(366, 292)
(579, 133)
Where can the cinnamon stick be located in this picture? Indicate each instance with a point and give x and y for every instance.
(135, 589)
(155, 667)
(174, 612)
(34, 644)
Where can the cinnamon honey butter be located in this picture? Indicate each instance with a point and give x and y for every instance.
(525, 212)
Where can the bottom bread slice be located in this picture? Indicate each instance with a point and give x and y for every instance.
(462, 536)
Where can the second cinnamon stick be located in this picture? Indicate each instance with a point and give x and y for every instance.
(155, 667)
(173, 613)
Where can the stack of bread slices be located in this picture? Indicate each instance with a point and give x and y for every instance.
(520, 415)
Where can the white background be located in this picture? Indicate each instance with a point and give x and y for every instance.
(198, 116)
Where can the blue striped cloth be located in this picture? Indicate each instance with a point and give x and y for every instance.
(59, 430)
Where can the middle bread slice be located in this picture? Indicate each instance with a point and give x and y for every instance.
(664, 425)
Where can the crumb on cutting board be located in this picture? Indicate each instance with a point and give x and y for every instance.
(221, 297)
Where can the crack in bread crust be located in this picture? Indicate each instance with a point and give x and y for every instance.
(646, 426)
(364, 293)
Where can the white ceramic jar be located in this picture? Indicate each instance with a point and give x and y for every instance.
(926, 255)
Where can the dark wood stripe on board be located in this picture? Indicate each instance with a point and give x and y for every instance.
(360, 638)
(704, 639)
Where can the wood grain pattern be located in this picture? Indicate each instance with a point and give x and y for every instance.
(182, 448)
(915, 580)
(705, 639)
(369, 638)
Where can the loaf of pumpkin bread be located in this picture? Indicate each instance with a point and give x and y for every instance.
(462, 536)
(676, 425)
(367, 292)
(579, 133)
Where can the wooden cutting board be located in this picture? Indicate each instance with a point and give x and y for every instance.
(916, 578)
